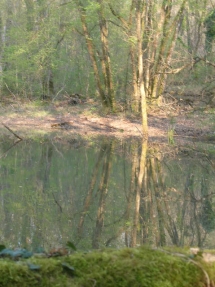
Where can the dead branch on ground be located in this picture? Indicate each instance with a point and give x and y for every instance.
(12, 132)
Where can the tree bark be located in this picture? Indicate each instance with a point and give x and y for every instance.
(107, 74)
(139, 33)
(106, 99)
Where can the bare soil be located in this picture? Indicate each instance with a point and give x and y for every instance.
(85, 119)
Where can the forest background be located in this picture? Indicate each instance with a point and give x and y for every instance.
(131, 53)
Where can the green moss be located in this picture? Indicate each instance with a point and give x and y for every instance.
(141, 267)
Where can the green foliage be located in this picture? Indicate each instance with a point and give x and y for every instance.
(42, 38)
(210, 25)
(2, 247)
(71, 245)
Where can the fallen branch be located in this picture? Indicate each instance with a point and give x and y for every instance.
(12, 132)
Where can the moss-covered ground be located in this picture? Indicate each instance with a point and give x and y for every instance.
(139, 267)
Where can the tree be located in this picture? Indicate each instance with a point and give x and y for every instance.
(100, 59)
(151, 47)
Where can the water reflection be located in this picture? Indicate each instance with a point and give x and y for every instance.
(105, 192)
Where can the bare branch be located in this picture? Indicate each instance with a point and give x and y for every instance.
(175, 71)
(197, 59)
(12, 132)
(125, 24)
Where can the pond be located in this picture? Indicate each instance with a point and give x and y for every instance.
(104, 192)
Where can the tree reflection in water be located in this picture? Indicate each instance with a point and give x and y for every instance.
(105, 192)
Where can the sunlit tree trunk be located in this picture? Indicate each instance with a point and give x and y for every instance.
(141, 87)
(136, 100)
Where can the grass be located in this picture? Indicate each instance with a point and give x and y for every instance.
(137, 267)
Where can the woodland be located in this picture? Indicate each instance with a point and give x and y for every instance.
(148, 60)
(127, 53)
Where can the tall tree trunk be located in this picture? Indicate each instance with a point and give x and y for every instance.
(132, 191)
(1, 52)
(142, 168)
(106, 99)
(139, 33)
(160, 215)
(107, 74)
(128, 28)
(165, 49)
(103, 190)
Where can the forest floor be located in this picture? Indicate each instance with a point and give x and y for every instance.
(87, 118)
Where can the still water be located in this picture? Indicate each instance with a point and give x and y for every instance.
(105, 193)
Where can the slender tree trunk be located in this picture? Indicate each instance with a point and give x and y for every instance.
(103, 190)
(128, 27)
(44, 168)
(107, 74)
(89, 195)
(166, 48)
(166, 12)
(148, 46)
(141, 174)
(107, 100)
(1, 53)
(136, 97)
(160, 214)
(139, 32)
(132, 190)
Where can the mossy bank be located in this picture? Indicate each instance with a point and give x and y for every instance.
(142, 267)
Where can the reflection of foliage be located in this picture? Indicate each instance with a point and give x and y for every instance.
(207, 215)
